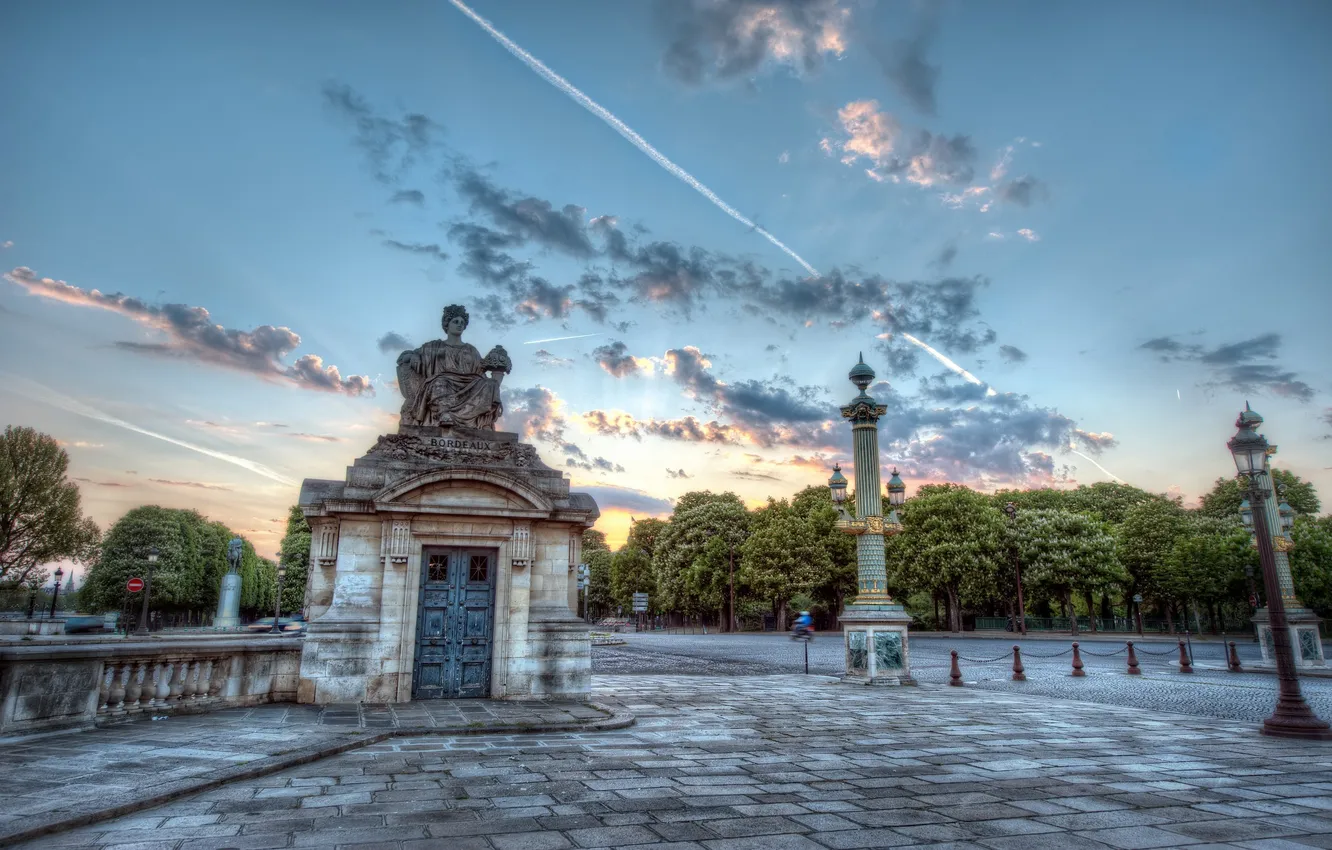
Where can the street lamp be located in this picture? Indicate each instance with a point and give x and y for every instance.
(1292, 717)
(892, 524)
(142, 630)
(59, 574)
(1011, 509)
(837, 486)
(277, 606)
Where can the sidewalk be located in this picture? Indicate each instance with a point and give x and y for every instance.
(56, 781)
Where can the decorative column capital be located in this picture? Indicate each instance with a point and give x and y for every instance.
(863, 410)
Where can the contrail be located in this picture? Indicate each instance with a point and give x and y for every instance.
(624, 130)
(559, 338)
(55, 399)
(950, 365)
(1094, 463)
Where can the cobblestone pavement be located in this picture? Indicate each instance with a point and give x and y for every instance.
(1210, 691)
(47, 776)
(788, 763)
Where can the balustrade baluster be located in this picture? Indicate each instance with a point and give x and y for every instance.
(161, 683)
(178, 681)
(195, 683)
(117, 698)
(135, 689)
(104, 688)
(221, 669)
(205, 680)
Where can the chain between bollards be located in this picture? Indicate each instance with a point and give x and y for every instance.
(1133, 668)
(955, 672)
(1185, 663)
(1232, 660)
(1018, 674)
(1077, 661)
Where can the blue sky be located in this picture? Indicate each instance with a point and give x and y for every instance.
(1074, 204)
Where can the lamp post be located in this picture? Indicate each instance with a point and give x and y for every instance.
(874, 626)
(1292, 717)
(32, 601)
(1021, 624)
(59, 574)
(142, 630)
(277, 606)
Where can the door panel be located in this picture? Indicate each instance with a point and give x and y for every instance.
(455, 624)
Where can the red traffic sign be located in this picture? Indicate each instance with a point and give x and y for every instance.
(134, 585)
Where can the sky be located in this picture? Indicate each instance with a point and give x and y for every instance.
(1071, 239)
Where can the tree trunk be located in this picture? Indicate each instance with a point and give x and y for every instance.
(1170, 617)
(836, 623)
(954, 612)
(781, 616)
(937, 621)
(1107, 613)
(1073, 613)
(1091, 609)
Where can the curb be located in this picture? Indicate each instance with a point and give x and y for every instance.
(40, 825)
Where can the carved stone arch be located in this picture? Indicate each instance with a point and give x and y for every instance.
(537, 499)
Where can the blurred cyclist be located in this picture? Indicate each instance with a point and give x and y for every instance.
(804, 627)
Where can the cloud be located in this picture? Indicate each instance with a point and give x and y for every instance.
(1327, 420)
(393, 343)
(539, 415)
(945, 258)
(315, 438)
(391, 146)
(903, 63)
(919, 157)
(784, 157)
(753, 476)
(736, 39)
(431, 250)
(1012, 354)
(1022, 191)
(195, 484)
(610, 497)
(548, 360)
(6, 245)
(527, 218)
(102, 483)
(1236, 365)
(1095, 442)
(79, 444)
(1029, 235)
(408, 196)
(615, 359)
(687, 429)
(192, 334)
(678, 473)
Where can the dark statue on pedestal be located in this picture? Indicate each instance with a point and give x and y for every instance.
(445, 382)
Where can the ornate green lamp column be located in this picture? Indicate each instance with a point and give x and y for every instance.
(874, 626)
(1302, 623)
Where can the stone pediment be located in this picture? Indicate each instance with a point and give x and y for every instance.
(454, 489)
(455, 446)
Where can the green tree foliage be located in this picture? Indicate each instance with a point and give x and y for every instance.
(643, 535)
(686, 580)
(1223, 501)
(1311, 562)
(952, 543)
(190, 565)
(1144, 541)
(1206, 564)
(1064, 553)
(1108, 501)
(631, 572)
(40, 516)
(785, 554)
(834, 583)
(294, 556)
(592, 541)
(599, 599)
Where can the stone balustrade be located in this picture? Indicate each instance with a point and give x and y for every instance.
(62, 685)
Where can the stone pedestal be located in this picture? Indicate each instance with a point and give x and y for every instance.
(429, 490)
(877, 652)
(228, 602)
(1305, 638)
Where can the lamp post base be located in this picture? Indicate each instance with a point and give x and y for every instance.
(1296, 720)
(877, 649)
(1306, 638)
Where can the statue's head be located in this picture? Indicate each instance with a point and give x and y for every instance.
(455, 313)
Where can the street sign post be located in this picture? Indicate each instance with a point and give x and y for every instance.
(134, 585)
(640, 608)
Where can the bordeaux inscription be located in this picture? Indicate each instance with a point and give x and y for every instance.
(475, 445)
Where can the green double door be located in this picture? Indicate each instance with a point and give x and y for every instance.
(455, 624)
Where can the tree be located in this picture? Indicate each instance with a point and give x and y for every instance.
(1223, 501)
(837, 579)
(1206, 565)
(1108, 501)
(631, 572)
(294, 556)
(682, 584)
(952, 543)
(1064, 552)
(644, 534)
(1144, 542)
(41, 519)
(783, 555)
(599, 600)
(1311, 562)
(593, 540)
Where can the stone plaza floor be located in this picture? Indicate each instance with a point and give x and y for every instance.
(56, 777)
(781, 762)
